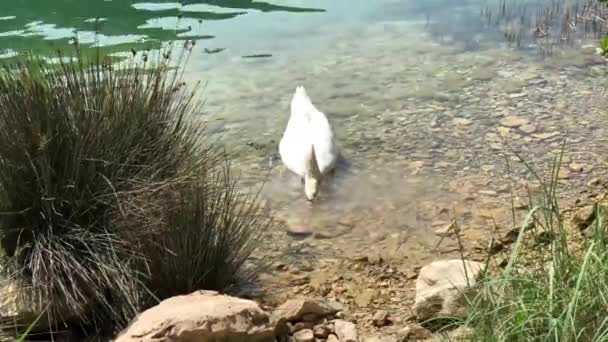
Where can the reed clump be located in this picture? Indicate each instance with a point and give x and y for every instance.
(110, 197)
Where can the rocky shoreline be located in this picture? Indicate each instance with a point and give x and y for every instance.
(209, 316)
(396, 306)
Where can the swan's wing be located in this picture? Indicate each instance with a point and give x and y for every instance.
(324, 141)
(293, 155)
(307, 126)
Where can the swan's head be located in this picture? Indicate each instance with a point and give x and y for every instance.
(312, 177)
(311, 187)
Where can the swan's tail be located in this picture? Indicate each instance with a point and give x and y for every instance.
(301, 102)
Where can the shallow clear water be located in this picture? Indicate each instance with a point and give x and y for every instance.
(421, 94)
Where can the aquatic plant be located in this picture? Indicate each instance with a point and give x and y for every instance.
(604, 46)
(551, 290)
(547, 24)
(85, 148)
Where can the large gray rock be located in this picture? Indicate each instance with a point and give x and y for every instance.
(202, 316)
(296, 309)
(441, 287)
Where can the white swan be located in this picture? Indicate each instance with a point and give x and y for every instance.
(308, 146)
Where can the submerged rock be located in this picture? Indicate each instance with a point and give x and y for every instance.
(201, 316)
(513, 121)
(578, 167)
(441, 286)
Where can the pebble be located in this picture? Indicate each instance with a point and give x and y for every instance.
(513, 121)
(298, 229)
(462, 122)
(416, 331)
(519, 203)
(381, 339)
(332, 338)
(496, 146)
(584, 217)
(503, 131)
(564, 173)
(528, 128)
(488, 168)
(305, 335)
(321, 331)
(577, 167)
(346, 331)
(545, 136)
(517, 95)
(366, 297)
(445, 230)
(488, 192)
(381, 318)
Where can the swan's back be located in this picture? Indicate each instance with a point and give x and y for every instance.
(307, 127)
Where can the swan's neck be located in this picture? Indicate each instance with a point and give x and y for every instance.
(312, 175)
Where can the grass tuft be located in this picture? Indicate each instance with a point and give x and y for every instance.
(552, 291)
(87, 149)
(203, 231)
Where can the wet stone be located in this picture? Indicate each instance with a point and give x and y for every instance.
(298, 229)
(545, 136)
(462, 122)
(528, 128)
(578, 167)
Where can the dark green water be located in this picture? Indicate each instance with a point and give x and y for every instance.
(117, 25)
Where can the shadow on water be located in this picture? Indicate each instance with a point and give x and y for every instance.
(43, 26)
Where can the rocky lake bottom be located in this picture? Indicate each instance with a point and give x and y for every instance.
(428, 132)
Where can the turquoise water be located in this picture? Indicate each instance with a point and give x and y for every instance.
(229, 27)
(421, 94)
